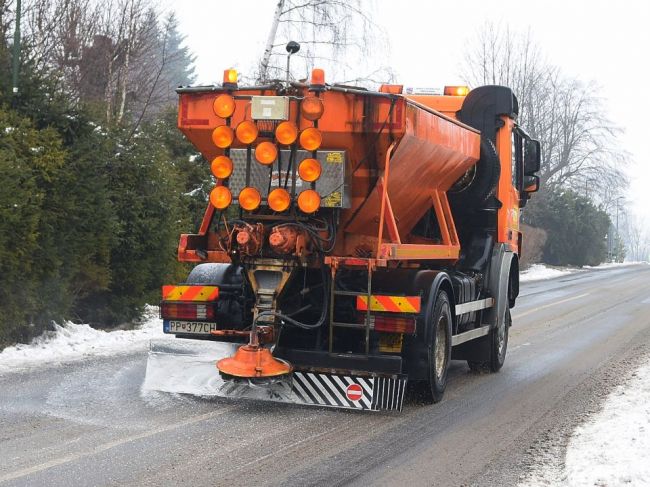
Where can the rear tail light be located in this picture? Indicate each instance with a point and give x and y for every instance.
(186, 311)
(393, 324)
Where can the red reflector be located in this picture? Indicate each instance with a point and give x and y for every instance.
(186, 311)
(393, 324)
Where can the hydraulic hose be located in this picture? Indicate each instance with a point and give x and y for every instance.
(299, 324)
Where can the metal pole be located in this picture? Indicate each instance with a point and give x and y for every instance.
(617, 238)
(16, 50)
(288, 71)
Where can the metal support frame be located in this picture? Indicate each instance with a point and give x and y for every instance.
(449, 249)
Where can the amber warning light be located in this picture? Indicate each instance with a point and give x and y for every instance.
(317, 77)
(456, 90)
(230, 78)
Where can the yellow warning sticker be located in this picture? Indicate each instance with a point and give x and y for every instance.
(332, 200)
(334, 157)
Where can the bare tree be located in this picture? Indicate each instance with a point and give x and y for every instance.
(637, 239)
(6, 20)
(122, 23)
(117, 55)
(334, 34)
(565, 114)
(268, 50)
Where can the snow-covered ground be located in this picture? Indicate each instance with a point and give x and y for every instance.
(613, 447)
(70, 342)
(609, 265)
(538, 272)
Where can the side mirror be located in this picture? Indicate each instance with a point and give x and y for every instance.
(531, 183)
(532, 158)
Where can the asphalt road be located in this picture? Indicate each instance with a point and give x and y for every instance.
(572, 339)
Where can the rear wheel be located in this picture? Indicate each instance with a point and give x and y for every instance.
(439, 347)
(498, 343)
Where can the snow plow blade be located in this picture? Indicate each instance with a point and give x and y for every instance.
(189, 367)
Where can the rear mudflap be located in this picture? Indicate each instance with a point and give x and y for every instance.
(188, 366)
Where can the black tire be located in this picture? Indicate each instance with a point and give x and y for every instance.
(439, 347)
(479, 183)
(215, 274)
(230, 307)
(497, 340)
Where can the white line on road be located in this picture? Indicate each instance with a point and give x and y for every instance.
(111, 444)
(554, 303)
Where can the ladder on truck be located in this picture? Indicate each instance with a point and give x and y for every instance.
(357, 264)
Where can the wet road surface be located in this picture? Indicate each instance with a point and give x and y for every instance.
(87, 423)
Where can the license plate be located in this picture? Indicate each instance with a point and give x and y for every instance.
(189, 327)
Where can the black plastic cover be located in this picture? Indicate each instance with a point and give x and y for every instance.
(484, 105)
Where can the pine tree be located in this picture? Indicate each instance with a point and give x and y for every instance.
(576, 229)
(179, 68)
(90, 212)
(30, 161)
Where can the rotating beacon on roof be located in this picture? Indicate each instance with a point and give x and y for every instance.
(354, 240)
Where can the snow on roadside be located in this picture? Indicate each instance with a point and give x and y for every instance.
(608, 265)
(70, 342)
(538, 272)
(613, 447)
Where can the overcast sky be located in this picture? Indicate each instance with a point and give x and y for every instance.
(607, 42)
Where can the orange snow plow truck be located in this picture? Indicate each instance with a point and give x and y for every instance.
(354, 240)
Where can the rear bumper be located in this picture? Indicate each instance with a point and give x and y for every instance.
(188, 366)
